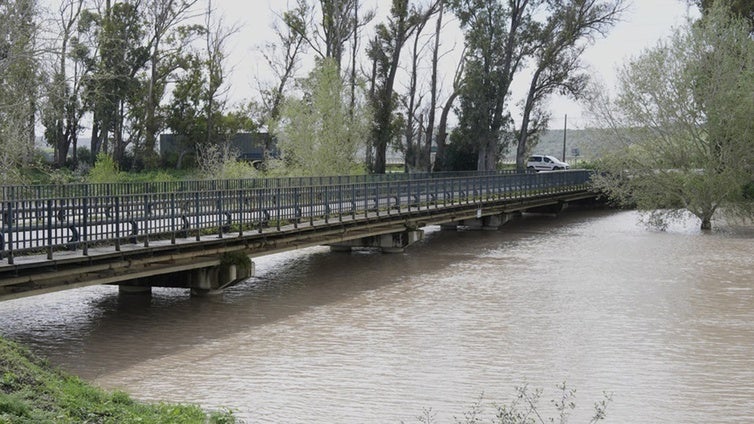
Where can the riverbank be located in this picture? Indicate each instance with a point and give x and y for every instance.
(32, 391)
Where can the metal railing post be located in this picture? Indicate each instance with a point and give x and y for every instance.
(49, 229)
(85, 229)
(117, 223)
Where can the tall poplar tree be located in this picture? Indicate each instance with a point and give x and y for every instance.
(498, 40)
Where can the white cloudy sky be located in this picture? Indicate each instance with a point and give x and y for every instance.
(645, 22)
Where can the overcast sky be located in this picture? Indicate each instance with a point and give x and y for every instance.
(644, 23)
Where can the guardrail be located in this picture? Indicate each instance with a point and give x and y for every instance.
(82, 216)
(113, 189)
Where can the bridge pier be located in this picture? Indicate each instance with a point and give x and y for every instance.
(205, 281)
(213, 280)
(387, 243)
(494, 222)
(486, 223)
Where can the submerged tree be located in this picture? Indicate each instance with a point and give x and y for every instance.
(684, 111)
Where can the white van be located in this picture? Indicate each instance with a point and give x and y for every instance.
(545, 163)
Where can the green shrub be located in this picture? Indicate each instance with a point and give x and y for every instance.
(105, 170)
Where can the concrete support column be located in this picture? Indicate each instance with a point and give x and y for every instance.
(213, 280)
(494, 222)
(387, 243)
(397, 243)
(450, 226)
(475, 224)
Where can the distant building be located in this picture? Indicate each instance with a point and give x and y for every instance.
(250, 146)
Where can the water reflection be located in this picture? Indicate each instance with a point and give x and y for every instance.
(664, 320)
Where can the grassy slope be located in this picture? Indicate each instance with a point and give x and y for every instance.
(33, 392)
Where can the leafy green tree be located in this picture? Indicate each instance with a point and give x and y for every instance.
(318, 134)
(167, 36)
(684, 111)
(19, 81)
(742, 8)
(197, 113)
(185, 114)
(116, 52)
(498, 40)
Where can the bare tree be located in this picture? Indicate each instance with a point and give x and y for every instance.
(283, 57)
(412, 102)
(560, 43)
(216, 38)
(62, 113)
(339, 21)
(385, 52)
(442, 127)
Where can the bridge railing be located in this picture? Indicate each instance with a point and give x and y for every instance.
(44, 191)
(31, 223)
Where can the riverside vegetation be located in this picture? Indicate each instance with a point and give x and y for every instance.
(32, 391)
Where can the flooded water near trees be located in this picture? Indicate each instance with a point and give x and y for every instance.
(662, 320)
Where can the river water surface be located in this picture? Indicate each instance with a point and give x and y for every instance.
(662, 320)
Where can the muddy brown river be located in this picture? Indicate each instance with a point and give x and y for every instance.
(663, 320)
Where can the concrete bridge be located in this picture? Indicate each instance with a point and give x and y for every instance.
(203, 235)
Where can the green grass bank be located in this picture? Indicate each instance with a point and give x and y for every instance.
(32, 391)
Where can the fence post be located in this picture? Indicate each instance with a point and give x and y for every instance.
(197, 214)
(49, 229)
(10, 227)
(117, 223)
(172, 217)
(85, 232)
(219, 207)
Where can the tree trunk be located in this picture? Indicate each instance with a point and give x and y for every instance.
(433, 94)
(94, 142)
(442, 133)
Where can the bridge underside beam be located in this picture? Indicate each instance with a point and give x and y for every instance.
(387, 243)
(487, 223)
(555, 208)
(202, 281)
